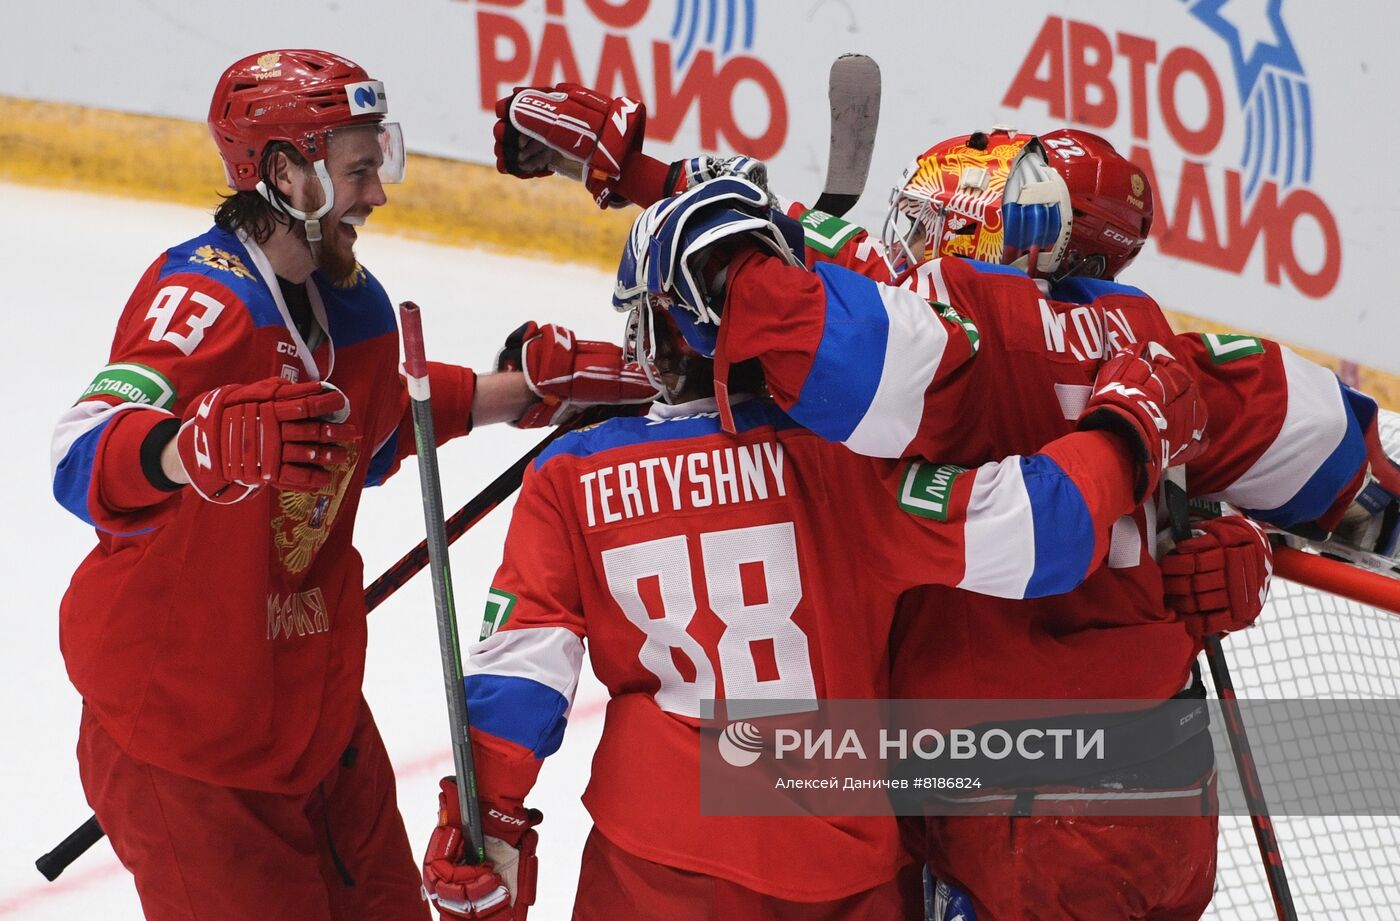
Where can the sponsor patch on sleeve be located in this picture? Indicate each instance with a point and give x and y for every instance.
(928, 488)
(1225, 348)
(499, 606)
(827, 233)
(132, 383)
(974, 338)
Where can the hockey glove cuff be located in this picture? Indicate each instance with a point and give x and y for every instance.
(537, 127)
(1145, 395)
(569, 374)
(501, 888)
(1218, 579)
(236, 439)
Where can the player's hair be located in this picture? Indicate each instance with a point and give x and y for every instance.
(249, 211)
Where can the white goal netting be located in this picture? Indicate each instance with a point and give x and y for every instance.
(1310, 644)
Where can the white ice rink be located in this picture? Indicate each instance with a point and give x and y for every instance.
(69, 262)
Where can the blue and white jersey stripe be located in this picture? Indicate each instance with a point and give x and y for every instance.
(520, 685)
(1029, 531)
(873, 408)
(1316, 453)
(73, 451)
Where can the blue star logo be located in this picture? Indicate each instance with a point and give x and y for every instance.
(1273, 88)
(1277, 53)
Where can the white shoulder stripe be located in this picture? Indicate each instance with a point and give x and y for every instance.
(551, 656)
(1000, 532)
(1314, 424)
(913, 351)
(81, 419)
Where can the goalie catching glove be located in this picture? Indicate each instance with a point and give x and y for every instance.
(1150, 398)
(571, 128)
(569, 374)
(502, 888)
(1218, 579)
(236, 439)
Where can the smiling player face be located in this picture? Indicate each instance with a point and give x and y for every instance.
(353, 159)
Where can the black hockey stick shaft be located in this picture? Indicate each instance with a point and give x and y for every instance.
(462, 521)
(415, 366)
(1269, 852)
(70, 849)
(854, 93)
(395, 577)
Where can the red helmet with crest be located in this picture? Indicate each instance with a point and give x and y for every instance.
(297, 96)
(1111, 201)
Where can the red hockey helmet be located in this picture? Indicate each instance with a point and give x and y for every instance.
(1111, 200)
(298, 96)
(988, 195)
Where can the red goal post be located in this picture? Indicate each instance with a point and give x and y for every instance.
(1338, 577)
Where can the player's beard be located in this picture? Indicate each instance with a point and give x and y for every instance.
(335, 257)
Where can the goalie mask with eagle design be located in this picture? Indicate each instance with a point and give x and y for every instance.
(990, 196)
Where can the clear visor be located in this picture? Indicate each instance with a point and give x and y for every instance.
(391, 146)
(911, 226)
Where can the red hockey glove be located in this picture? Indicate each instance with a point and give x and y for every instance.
(1216, 581)
(569, 374)
(501, 888)
(536, 127)
(239, 438)
(1144, 394)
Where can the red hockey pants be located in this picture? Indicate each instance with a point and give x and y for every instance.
(614, 885)
(201, 852)
(1085, 868)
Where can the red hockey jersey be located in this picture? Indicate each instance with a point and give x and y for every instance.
(1286, 436)
(996, 364)
(227, 642)
(699, 565)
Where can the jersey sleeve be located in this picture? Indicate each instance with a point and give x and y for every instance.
(178, 337)
(522, 676)
(1288, 440)
(833, 239)
(1022, 527)
(857, 361)
(453, 391)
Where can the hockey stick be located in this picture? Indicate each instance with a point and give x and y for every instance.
(1269, 853)
(462, 521)
(497, 491)
(853, 90)
(415, 366)
(70, 849)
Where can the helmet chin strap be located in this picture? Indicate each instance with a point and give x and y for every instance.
(641, 344)
(311, 221)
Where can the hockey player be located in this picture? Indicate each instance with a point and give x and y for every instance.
(1287, 444)
(1074, 207)
(928, 400)
(217, 630)
(1287, 460)
(761, 562)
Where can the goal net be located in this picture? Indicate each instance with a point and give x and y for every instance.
(1309, 644)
